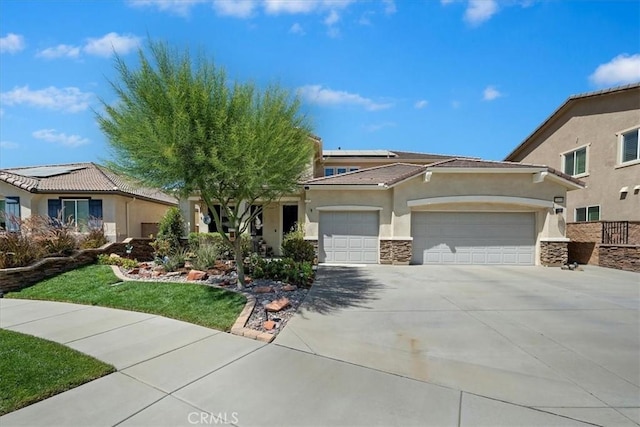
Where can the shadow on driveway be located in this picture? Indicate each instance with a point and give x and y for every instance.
(336, 288)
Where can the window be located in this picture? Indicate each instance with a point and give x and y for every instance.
(10, 214)
(81, 213)
(589, 213)
(339, 170)
(629, 147)
(213, 227)
(575, 162)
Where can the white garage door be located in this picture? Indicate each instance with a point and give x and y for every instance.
(349, 237)
(473, 238)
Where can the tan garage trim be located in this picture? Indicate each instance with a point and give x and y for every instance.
(522, 201)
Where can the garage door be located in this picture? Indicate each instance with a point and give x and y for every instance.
(473, 238)
(349, 237)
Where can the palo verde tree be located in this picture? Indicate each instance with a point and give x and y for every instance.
(180, 124)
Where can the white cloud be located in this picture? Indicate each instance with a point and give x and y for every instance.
(378, 126)
(316, 94)
(12, 43)
(389, 7)
(620, 70)
(275, 7)
(332, 18)
(235, 8)
(446, 2)
(177, 7)
(421, 104)
(62, 50)
(51, 135)
(107, 44)
(297, 29)
(479, 11)
(69, 99)
(490, 93)
(8, 145)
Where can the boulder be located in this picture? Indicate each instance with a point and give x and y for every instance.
(278, 305)
(196, 275)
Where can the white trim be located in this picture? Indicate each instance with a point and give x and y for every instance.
(586, 213)
(566, 182)
(555, 239)
(345, 187)
(348, 208)
(586, 160)
(525, 201)
(427, 176)
(396, 238)
(620, 151)
(310, 237)
(539, 177)
(485, 170)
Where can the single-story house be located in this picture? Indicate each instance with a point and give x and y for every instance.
(80, 192)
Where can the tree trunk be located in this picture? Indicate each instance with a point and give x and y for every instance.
(237, 245)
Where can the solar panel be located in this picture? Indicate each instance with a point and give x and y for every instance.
(47, 171)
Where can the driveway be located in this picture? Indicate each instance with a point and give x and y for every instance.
(563, 342)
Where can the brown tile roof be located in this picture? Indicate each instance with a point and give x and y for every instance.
(389, 175)
(394, 155)
(570, 100)
(79, 178)
(385, 175)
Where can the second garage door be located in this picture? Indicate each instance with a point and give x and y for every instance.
(473, 238)
(349, 237)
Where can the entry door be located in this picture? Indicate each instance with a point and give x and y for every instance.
(289, 218)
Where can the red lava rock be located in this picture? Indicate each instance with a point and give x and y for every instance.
(263, 289)
(289, 288)
(156, 273)
(144, 273)
(247, 280)
(277, 305)
(196, 275)
(269, 325)
(134, 270)
(225, 283)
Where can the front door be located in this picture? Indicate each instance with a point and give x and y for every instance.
(289, 218)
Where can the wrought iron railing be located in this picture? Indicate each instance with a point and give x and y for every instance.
(615, 232)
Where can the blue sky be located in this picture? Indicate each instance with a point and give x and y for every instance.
(468, 77)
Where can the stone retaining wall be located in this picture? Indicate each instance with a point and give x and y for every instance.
(622, 257)
(583, 252)
(395, 251)
(13, 279)
(553, 254)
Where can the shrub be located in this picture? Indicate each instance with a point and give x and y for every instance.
(171, 228)
(286, 270)
(18, 250)
(94, 238)
(298, 249)
(205, 256)
(119, 261)
(176, 260)
(162, 248)
(225, 250)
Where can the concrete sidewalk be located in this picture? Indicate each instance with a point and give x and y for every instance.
(172, 373)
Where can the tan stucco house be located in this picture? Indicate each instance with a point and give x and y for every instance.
(80, 192)
(380, 206)
(594, 137)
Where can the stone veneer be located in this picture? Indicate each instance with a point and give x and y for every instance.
(553, 253)
(621, 257)
(395, 251)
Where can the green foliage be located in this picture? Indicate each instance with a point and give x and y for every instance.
(34, 369)
(171, 228)
(175, 260)
(18, 250)
(125, 263)
(179, 123)
(161, 247)
(93, 239)
(285, 270)
(205, 256)
(298, 249)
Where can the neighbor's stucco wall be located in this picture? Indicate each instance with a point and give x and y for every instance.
(595, 123)
(26, 198)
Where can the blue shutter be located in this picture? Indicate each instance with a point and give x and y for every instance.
(95, 208)
(12, 213)
(54, 207)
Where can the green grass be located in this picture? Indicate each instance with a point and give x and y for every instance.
(97, 285)
(32, 369)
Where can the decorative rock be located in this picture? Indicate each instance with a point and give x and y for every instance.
(263, 289)
(174, 273)
(269, 325)
(247, 280)
(277, 305)
(156, 273)
(196, 275)
(114, 256)
(144, 273)
(134, 270)
(289, 288)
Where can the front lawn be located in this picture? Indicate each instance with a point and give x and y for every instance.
(97, 285)
(32, 369)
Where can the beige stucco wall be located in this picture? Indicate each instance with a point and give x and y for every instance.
(595, 123)
(114, 210)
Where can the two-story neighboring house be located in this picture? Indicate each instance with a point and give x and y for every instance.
(594, 137)
(387, 206)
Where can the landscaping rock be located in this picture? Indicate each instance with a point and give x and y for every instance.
(269, 325)
(196, 275)
(289, 288)
(156, 273)
(134, 270)
(263, 289)
(278, 305)
(174, 273)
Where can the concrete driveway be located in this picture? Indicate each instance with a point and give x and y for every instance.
(563, 342)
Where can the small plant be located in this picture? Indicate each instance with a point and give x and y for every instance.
(171, 228)
(175, 261)
(298, 249)
(161, 247)
(205, 256)
(125, 263)
(94, 238)
(286, 270)
(18, 250)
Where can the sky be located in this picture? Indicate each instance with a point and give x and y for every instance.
(457, 77)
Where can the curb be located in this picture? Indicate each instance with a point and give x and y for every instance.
(238, 327)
